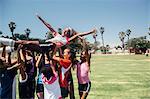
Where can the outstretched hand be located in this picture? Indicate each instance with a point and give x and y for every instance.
(94, 31)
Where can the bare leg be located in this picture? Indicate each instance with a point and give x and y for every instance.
(48, 26)
(84, 95)
(71, 87)
(27, 42)
(40, 95)
(80, 94)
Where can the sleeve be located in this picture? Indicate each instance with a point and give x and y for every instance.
(20, 78)
(64, 62)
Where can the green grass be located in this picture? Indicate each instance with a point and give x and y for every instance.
(118, 77)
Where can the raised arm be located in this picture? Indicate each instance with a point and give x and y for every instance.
(23, 75)
(4, 51)
(87, 54)
(22, 55)
(81, 34)
(54, 56)
(3, 59)
(9, 58)
(38, 60)
(60, 53)
(27, 42)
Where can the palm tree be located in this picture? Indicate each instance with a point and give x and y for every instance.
(49, 35)
(122, 37)
(107, 48)
(1, 32)
(12, 26)
(149, 32)
(60, 31)
(94, 36)
(128, 32)
(27, 31)
(102, 32)
(95, 41)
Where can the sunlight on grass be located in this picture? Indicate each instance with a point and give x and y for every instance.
(118, 77)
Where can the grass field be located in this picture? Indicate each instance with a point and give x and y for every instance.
(119, 77)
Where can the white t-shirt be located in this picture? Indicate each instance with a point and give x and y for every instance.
(7, 42)
(51, 88)
(58, 40)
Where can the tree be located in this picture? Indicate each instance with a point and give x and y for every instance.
(1, 32)
(12, 26)
(149, 32)
(94, 36)
(107, 48)
(49, 35)
(128, 32)
(102, 32)
(27, 31)
(60, 31)
(94, 46)
(139, 45)
(122, 37)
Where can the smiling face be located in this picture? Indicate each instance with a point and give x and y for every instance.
(67, 54)
(67, 32)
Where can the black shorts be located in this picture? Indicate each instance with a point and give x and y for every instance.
(27, 89)
(84, 87)
(39, 88)
(64, 92)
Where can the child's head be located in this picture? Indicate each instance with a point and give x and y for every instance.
(47, 72)
(70, 54)
(67, 53)
(68, 32)
(83, 56)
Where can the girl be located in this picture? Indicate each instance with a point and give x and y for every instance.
(39, 87)
(64, 71)
(43, 61)
(67, 36)
(27, 85)
(14, 44)
(50, 82)
(8, 71)
(83, 69)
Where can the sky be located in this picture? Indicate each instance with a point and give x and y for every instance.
(82, 15)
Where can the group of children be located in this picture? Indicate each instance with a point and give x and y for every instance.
(54, 74)
(54, 80)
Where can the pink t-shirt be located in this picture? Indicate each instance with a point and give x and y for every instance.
(83, 73)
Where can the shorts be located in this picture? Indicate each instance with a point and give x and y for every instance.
(64, 92)
(84, 87)
(27, 89)
(39, 88)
